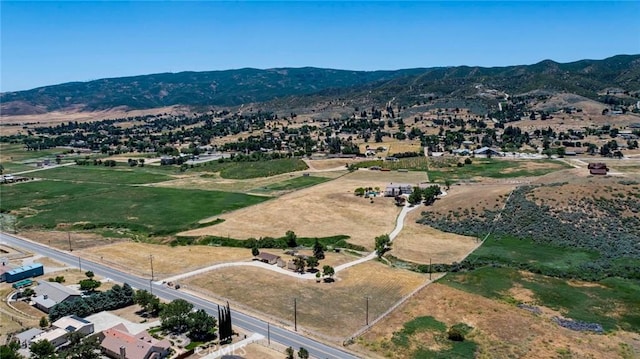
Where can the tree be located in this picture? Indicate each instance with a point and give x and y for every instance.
(89, 274)
(81, 347)
(430, 194)
(255, 251)
(416, 196)
(201, 325)
(383, 244)
(561, 151)
(303, 353)
(328, 271)
(318, 250)
(447, 183)
(1, 169)
(149, 302)
(359, 191)
(291, 239)
(289, 352)
(10, 351)
(312, 262)
(89, 285)
(174, 316)
(300, 263)
(44, 322)
(42, 349)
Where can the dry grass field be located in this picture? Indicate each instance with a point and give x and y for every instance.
(501, 330)
(327, 209)
(256, 351)
(418, 243)
(60, 239)
(393, 147)
(209, 181)
(472, 196)
(336, 309)
(167, 261)
(12, 321)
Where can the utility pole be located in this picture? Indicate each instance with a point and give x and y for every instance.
(151, 286)
(429, 268)
(268, 334)
(79, 264)
(295, 314)
(151, 261)
(69, 237)
(367, 315)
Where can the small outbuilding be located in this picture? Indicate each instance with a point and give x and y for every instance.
(268, 258)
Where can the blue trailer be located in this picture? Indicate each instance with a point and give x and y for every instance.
(24, 272)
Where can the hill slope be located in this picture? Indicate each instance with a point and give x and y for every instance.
(235, 87)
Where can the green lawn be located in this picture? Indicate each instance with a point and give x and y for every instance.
(494, 168)
(246, 170)
(405, 339)
(613, 303)
(292, 184)
(17, 153)
(143, 209)
(512, 251)
(101, 174)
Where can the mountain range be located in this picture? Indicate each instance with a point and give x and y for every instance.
(235, 87)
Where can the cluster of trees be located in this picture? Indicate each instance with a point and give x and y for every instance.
(428, 195)
(114, 298)
(302, 353)
(79, 346)
(178, 317)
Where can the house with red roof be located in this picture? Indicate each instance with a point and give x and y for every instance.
(118, 343)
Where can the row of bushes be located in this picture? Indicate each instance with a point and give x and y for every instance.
(339, 241)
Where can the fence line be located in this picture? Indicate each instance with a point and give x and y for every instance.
(391, 309)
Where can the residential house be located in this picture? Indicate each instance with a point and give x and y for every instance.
(598, 168)
(56, 337)
(118, 343)
(395, 189)
(268, 258)
(74, 323)
(487, 151)
(25, 337)
(49, 294)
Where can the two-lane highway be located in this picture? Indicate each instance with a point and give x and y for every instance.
(244, 321)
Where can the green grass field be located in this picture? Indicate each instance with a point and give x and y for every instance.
(291, 184)
(493, 168)
(441, 169)
(409, 340)
(548, 258)
(151, 210)
(613, 303)
(257, 169)
(16, 152)
(121, 174)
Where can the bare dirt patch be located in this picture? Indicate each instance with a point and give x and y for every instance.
(167, 261)
(420, 243)
(335, 310)
(327, 209)
(501, 330)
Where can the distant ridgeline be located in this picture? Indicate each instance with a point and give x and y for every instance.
(243, 86)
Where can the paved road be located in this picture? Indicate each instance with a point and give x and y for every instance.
(244, 321)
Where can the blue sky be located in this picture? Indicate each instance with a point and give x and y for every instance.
(44, 43)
